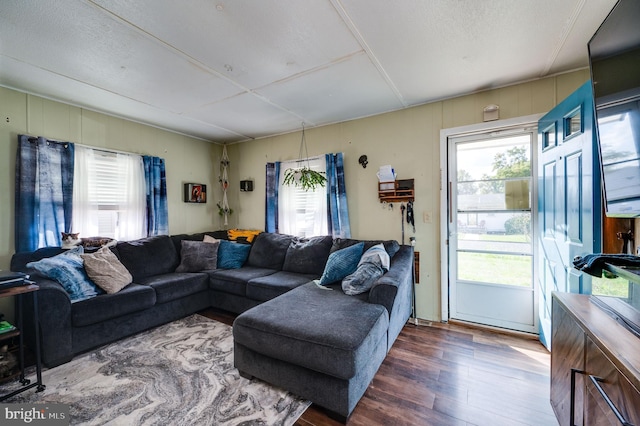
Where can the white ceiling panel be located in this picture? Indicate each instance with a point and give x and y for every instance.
(52, 86)
(464, 45)
(75, 41)
(235, 70)
(248, 115)
(252, 42)
(346, 90)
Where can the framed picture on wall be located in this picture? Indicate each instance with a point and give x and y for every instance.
(195, 193)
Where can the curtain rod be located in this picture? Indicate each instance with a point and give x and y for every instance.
(109, 150)
(33, 139)
(302, 160)
(113, 151)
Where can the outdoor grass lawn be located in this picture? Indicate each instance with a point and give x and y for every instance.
(618, 287)
(495, 268)
(517, 270)
(513, 238)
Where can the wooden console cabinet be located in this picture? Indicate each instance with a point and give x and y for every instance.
(595, 365)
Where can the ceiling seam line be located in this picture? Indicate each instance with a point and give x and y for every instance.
(175, 50)
(337, 4)
(107, 91)
(314, 69)
(565, 34)
(188, 57)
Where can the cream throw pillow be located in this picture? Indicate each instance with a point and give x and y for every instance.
(104, 269)
(209, 239)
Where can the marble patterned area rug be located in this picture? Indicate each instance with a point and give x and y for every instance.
(177, 374)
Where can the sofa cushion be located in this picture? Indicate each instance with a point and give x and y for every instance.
(373, 264)
(270, 286)
(341, 263)
(148, 256)
(391, 246)
(104, 269)
(173, 286)
(232, 255)
(196, 256)
(235, 281)
(269, 250)
(322, 330)
(132, 298)
(67, 269)
(308, 255)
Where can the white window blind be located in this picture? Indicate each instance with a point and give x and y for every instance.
(109, 196)
(105, 181)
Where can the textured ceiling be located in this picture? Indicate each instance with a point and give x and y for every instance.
(229, 71)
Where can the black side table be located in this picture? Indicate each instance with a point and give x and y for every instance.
(19, 292)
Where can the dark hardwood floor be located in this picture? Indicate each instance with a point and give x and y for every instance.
(451, 374)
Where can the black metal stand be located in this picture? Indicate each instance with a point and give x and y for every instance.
(402, 207)
(19, 294)
(414, 314)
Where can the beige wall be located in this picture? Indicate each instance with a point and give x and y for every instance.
(409, 140)
(187, 159)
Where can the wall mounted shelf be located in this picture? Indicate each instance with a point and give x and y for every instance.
(397, 191)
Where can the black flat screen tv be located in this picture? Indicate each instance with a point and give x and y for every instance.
(614, 60)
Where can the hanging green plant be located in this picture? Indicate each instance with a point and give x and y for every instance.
(305, 178)
(222, 211)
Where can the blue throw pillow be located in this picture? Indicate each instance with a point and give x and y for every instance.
(68, 269)
(341, 263)
(232, 255)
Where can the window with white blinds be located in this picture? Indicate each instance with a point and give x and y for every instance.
(105, 193)
(302, 213)
(105, 181)
(109, 195)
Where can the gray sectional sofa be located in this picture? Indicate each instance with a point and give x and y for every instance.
(319, 343)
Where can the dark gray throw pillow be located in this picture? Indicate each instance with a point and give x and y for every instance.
(149, 256)
(269, 250)
(308, 255)
(198, 256)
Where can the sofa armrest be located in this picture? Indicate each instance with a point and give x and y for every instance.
(394, 291)
(400, 273)
(54, 314)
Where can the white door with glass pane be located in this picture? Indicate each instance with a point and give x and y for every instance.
(490, 229)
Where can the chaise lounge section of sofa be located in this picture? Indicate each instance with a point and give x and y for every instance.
(329, 345)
